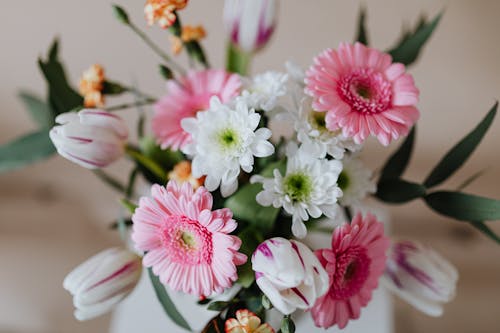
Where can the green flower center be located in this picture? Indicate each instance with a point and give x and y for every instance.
(318, 120)
(228, 138)
(188, 239)
(298, 186)
(343, 182)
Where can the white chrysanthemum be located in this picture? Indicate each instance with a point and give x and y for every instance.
(223, 140)
(264, 90)
(356, 182)
(309, 188)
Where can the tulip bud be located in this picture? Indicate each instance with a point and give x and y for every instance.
(250, 23)
(289, 274)
(91, 138)
(101, 282)
(420, 276)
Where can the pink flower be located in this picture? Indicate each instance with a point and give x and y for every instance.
(187, 244)
(363, 93)
(354, 264)
(186, 99)
(91, 138)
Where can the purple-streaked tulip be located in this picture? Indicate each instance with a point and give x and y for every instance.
(101, 282)
(420, 276)
(250, 23)
(92, 138)
(289, 274)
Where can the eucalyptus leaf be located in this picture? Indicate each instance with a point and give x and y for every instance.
(62, 97)
(218, 305)
(399, 191)
(410, 46)
(398, 161)
(166, 302)
(362, 34)
(39, 111)
(25, 150)
(464, 207)
(457, 155)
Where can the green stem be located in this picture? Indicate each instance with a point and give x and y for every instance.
(129, 192)
(130, 105)
(112, 182)
(238, 61)
(157, 49)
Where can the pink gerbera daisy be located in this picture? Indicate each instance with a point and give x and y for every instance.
(354, 264)
(363, 93)
(187, 244)
(186, 99)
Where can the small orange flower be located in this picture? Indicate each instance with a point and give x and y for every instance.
(246, 322)
(189, 34)
(163, 11)
(182, 173)
(91, 85)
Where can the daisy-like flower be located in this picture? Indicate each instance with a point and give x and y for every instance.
(309, 188)
(188, 245)
(263, 91)
(354, 264)
(91, 86)
(356, 181)
(186, 99)
(246, 322)
(182, 174)
(163, 11)
(223, 140)
(363, 93)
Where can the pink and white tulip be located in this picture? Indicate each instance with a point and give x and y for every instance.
(250, 23)
(91, 138)
(103, 281)
(289, 274)
(420, 276)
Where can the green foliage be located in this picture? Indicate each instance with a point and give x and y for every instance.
(166, 72)
(62, 97)
(218, 306)
(166, 302)
(362, 34)
(250, 239)
(237, 61)
(397, 163)
(399, 190)
(410, 46)
(287, 325)
(121, 14)
(113, 88)
(215, 325)
(457, 156)
(25, 150)
(39, 111)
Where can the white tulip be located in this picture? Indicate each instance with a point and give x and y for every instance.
(289, 274)
(101, 282)
(250, 23)
(420, 276)
(91, 138)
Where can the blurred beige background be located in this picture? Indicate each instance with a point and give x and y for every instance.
(55, 214)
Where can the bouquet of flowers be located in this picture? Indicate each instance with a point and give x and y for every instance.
(241, 168)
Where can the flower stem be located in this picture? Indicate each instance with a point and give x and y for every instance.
(157, 49)
(112, 182)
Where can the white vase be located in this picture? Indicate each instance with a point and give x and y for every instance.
(141, 312)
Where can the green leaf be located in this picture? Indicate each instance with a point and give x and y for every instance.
(457, 155)
(399, 191)
(250, 239)
(62, 97)
(128, 205)
(121, 14)
(237, 60)
(481, 226)
(398, 161)
(39, 111)
(25, 150)
(218, 305)
(266, 303)
(166, 72)
(409, 48)
(146, 164)
(166, 302)
(113, 88)
(215, 325)
(287, 325)
(362, 35)
(464, 207)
